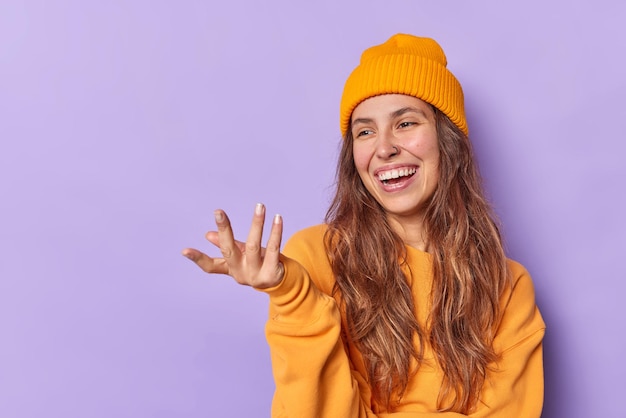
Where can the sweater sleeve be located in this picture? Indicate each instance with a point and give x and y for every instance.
(311, 369)
(514, 386)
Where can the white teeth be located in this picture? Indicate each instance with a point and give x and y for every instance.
(396, 173)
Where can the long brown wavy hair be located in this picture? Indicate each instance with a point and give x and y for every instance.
(469, 276)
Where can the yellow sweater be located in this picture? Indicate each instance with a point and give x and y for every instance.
(319, 375)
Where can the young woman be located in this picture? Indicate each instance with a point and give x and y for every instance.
(403, 304)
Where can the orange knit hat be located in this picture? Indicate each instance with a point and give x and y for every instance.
(405, 64)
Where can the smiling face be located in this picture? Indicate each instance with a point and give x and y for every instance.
(396, 153)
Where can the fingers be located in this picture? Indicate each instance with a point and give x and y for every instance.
(253, 247)
(272, 266)
(206, 263)
(227, 245)
(213, 238)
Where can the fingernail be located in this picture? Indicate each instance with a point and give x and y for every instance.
(277, 218)
(259, 209)
(219, 216)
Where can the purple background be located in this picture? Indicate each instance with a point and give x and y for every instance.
(123, 124)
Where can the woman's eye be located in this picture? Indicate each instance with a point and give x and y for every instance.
(406, 124)
(363, 133)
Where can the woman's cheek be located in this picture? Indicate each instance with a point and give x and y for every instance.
(361, 158)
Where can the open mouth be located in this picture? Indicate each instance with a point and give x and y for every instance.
(396, 175)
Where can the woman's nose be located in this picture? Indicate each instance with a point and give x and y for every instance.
(386, 147)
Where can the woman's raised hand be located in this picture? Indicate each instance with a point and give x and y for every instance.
(248, 263)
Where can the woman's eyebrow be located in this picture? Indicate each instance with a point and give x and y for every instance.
(392, 115)
(361, 120)
(404, 110)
